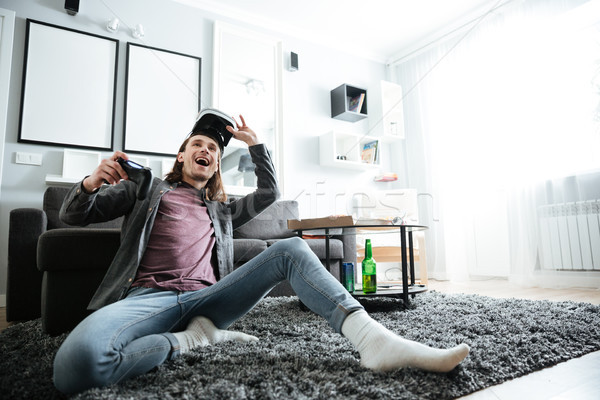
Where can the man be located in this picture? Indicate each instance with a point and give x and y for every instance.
(172, 287)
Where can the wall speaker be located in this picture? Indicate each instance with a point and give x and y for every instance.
(72, 6)
(293, 61)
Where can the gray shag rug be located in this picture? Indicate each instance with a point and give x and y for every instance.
(300, 357)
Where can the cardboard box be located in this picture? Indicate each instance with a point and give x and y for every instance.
(325, 222)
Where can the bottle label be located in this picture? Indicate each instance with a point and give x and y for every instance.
(369, 283)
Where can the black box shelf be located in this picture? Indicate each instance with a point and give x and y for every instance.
(340, 101)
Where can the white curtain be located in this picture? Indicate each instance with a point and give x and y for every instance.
(492, 115)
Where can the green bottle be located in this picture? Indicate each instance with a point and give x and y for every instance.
(369, 275)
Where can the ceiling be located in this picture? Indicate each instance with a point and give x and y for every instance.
(375, 29)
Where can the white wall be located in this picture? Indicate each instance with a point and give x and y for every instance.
(179, 28)
(307, 116)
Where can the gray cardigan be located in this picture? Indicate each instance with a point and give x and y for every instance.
(110, 202)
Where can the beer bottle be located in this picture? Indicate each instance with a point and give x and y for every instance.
(369, 271)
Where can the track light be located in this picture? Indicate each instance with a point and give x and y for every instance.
(113, 25)
(138, 31)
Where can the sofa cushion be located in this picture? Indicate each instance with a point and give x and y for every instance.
(246, 249)
(53, 198)
(271, 223)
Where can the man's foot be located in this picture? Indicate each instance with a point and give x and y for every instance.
(382, 350)
(202, 332)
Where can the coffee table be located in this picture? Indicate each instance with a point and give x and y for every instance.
(405, 232)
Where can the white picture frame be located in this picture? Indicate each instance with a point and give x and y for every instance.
(68, 89)
(162, 99)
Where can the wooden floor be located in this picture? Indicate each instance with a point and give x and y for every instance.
(575, 379)
(3, 323)
(501, 288)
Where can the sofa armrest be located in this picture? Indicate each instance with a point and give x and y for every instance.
(24, 281)
(25, 227)
(74, 262)
(77, 249)
(349, 243)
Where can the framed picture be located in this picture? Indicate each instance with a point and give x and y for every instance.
(69, 84)
(162, 99)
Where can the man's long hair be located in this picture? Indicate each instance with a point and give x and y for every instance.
(214, 187)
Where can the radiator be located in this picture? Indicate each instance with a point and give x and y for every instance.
(570, 236)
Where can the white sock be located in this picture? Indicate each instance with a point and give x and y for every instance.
(202, 332)
(382, 350)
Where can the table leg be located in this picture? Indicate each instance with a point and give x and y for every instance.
(302, 305)
(411, 255)
(404, 266)
(327, 262)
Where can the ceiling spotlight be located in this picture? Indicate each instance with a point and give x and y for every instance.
(255, 87)
(138, 32)
(113, 25)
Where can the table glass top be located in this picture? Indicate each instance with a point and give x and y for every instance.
(351, 229)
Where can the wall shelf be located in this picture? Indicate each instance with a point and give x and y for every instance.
(59, 180)
(340, 103)
(334, 145)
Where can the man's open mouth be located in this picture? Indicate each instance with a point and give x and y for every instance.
(202, 161)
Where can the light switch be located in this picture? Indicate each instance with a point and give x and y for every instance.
(28, 158)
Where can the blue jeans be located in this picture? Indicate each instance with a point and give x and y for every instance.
(132, 336)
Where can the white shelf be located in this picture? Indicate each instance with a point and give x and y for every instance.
(335, 144)
(60, 180)
(350, 165)
(390, 138)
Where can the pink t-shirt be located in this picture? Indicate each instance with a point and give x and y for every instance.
(179, 255)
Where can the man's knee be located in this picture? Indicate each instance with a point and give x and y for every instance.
(297, 249)
(77, 367)
(292, 245)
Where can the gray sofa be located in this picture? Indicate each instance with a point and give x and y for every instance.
(54, 269)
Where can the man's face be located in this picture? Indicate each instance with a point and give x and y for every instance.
(200, 160)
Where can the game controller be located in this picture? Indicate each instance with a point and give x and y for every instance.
(139, 174)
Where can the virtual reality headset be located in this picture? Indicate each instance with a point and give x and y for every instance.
(213, 123)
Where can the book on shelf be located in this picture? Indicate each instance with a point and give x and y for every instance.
(387, 177)
(352, 104)
(355, 103)
(369, 152)
(360, 102)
